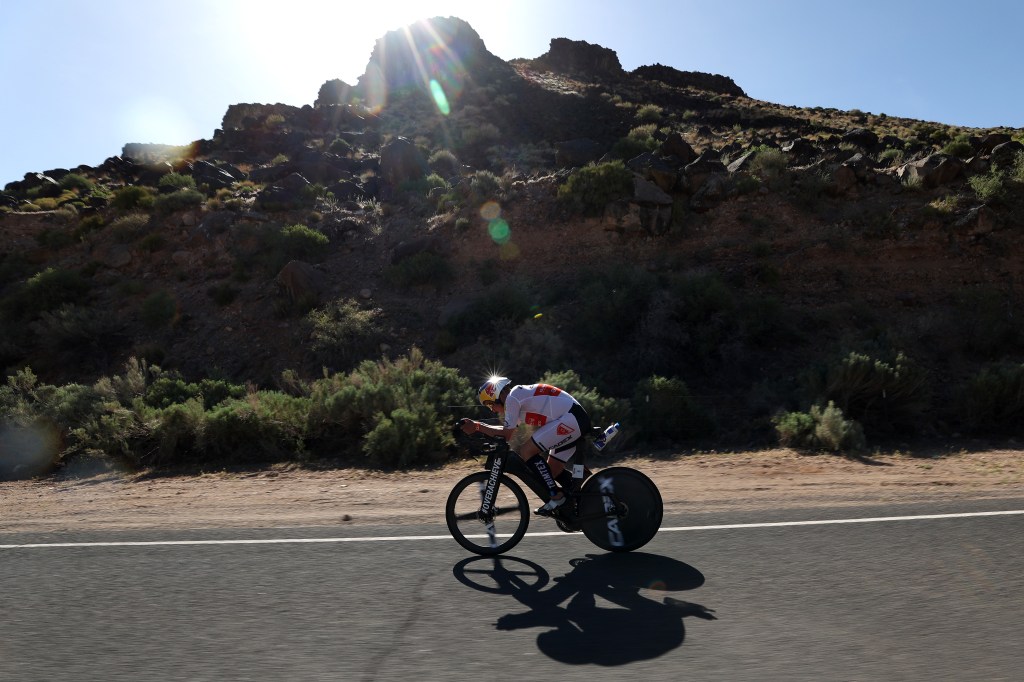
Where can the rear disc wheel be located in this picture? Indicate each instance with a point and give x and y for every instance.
(621, 508)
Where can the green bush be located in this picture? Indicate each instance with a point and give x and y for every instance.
(343, 333)
(46, 290)
(127, 228)
(648, 113)
(159, 310)
(265, 426)
(990, 187)
(664, 410)
(78, 183)
(75, 328)
(167, 390)
(133, 197)
(993, 400)
(589, 189)
(491, 313)
(611, 305)
(819, 429)
(301, 242)
(345, 409)
(959, 147)
(424, 268)
(172, 182)
(880, 394)
(484, 185)
(182, 200)
(444, 163)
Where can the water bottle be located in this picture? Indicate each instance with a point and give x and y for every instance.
(601, 441)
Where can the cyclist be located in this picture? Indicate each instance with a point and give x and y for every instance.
(559, 422)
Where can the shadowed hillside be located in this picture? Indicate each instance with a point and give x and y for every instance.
(718, 268)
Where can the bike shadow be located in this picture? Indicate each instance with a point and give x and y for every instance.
(633, 628)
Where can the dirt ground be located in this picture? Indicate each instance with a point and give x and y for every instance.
(291, 497)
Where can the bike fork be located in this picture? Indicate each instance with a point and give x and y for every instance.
(488, 494)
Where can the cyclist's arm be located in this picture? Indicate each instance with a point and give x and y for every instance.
(469, 426)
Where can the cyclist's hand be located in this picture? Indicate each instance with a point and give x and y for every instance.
(468, 426)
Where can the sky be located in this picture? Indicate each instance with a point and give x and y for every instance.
(79, 79)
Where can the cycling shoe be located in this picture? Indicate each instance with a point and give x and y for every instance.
(549, 508)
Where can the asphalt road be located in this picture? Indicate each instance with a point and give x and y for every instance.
(721, 597)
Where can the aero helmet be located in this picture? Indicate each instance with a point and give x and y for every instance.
(492, 388)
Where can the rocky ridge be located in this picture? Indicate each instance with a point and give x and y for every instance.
(867, 229)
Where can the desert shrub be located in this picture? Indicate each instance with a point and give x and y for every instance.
(821, 428)
(343, 333)
(159, 309)
(993, 399)
(685, 326)
(959, 147)
(484, 185)
(153, 242)
(611, 305)
(44, 291)
(171, 389)
(987, 323)
(603, 410)
(991, 186)
(497, 309)
(340, 146)
(129, 227)
(1018, 166)
(264, 426)
(891, 156)
(133, 197)
(78, 183)
(769, 163)
(444, 163)
(394, 413)
(299, 241)
(181, 200)
(664, 410)
(39, 421)
(424, 268)
(648, 113)
(74, 328)
(880, 394)
(638, 141)
(589, 189)
(172, 182)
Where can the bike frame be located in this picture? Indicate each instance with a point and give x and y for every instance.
(502, 459)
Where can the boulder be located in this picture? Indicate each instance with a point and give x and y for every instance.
(675, 145)
(290, 193)
(300, 281)
(932, 171)
(401, 161)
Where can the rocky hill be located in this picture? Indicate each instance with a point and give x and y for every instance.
(530, 216)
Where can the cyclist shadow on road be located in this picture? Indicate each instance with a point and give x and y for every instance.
(583, 631)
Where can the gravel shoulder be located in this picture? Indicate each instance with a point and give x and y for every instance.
(294, 497)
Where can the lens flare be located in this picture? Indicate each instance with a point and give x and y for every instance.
(508, 251)
(437, 92)
(27, 451)
(491, 210)
(499, 231)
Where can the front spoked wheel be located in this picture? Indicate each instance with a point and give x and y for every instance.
(621, 509)
(505, 527)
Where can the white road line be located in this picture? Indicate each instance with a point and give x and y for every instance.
(403, 538)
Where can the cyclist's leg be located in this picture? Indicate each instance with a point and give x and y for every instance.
(530, 454)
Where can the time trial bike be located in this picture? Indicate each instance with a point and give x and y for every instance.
(618, 509)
